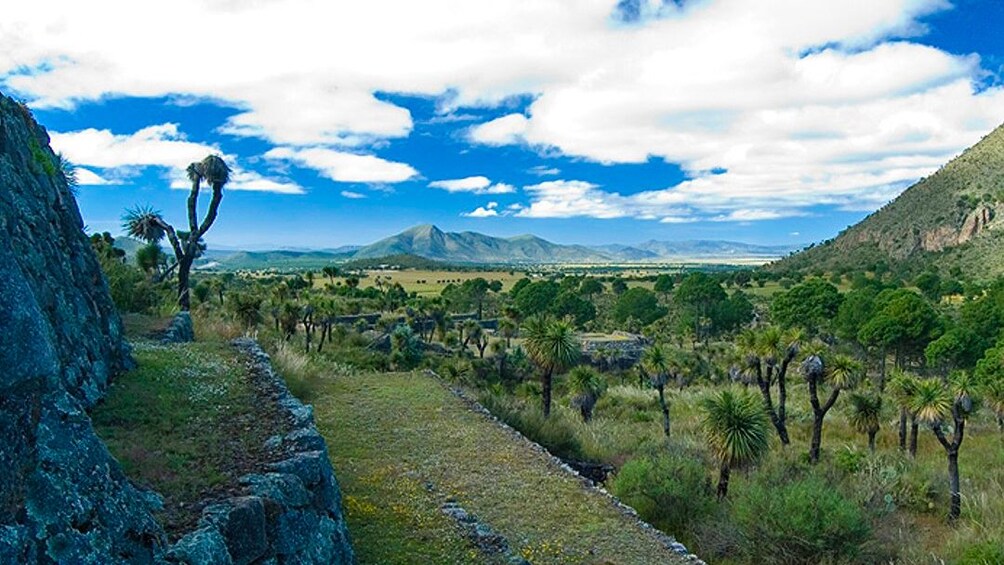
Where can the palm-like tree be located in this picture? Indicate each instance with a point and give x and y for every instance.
(842, 373)
(149, 225)
(662, 365)
(553, 347)
(768, 353)
(586, 387)
(866, 415)
(934, 401)
(903, 385)
(736, 427)
(507, 330)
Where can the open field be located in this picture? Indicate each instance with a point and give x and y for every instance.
(403, 445)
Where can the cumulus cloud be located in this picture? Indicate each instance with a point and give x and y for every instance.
(343, 166)
(476, 185)
(162, 145)
(353, 195)
(799, 102)
(487, 211)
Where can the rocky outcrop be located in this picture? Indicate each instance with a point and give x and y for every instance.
(976, 223)
(619, 350)
(63, 498)
(180, 330)
(290, 514)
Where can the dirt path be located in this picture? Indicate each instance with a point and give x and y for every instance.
(403, 446)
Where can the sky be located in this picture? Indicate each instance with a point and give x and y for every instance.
(581, 121)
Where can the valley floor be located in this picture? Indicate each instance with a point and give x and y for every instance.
(403, 445)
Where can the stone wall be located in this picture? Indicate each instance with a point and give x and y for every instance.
(63, 498)
(290, 514)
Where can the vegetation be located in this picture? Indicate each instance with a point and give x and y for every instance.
(148, 224)
(547, 352)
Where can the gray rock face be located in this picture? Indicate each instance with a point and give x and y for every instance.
(63, 498)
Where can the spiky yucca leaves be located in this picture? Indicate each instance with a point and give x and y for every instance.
(931, 401)
(936, 402)
(214, 171)
(661, 363)
(736, 428)
(553, 347)
(866, 414)
(841, 372)
(144, 223)
(586, 386)
(769, 352)
(901, 387)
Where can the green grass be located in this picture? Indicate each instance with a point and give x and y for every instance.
(402, 445)
(185, 423)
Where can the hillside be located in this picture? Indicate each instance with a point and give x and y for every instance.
(951, 219)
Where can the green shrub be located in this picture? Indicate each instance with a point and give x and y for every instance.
(804, 520)
(671, 490)
(983, 553)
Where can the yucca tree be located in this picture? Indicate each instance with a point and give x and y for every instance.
(902, 385)
(866, 415)
(149, 225)
(841, 373)
(736, 428)
(934, 402)
(769, 353)
(507, 330)
(553, 347)
(662, 365)
(586, 386)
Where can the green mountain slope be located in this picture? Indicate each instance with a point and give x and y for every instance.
(950, 219)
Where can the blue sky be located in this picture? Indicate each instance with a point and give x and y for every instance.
(589, 122)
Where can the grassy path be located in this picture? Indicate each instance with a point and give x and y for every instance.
(402, 445)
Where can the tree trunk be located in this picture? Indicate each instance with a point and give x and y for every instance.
(545, 382)
(902, 429)
(913, 437)
(723, 481)
(184, 272)
(665, 410)
(953, 478)
(782, 430)
(871, 441)
(882, 372)
(817, 438)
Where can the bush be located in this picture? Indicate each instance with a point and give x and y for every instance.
(805, 520)
(671, 490)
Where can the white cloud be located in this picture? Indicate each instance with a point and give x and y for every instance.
(87, 177)
(571, 198)
(500, 131)
(163, 145)
(342, 166)
(476, 185)
(487, 211)
(542, 171)
(353, 195)
(800, 102)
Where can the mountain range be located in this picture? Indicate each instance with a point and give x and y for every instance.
(950, 222)
(471, 247)
(467, 248)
